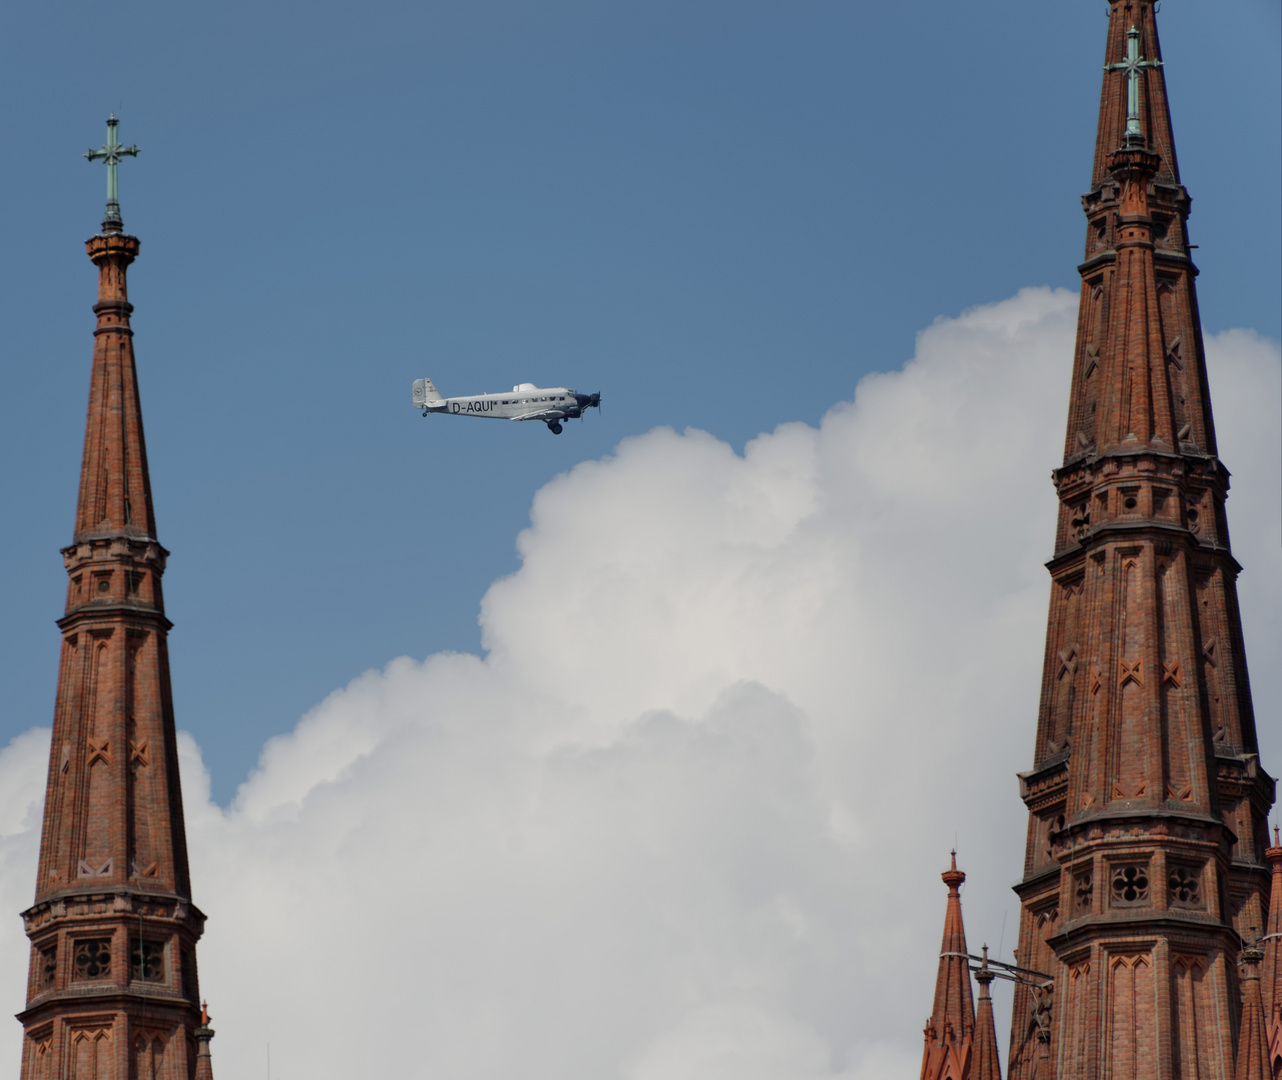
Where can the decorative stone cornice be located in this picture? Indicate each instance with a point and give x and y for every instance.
(77, 904)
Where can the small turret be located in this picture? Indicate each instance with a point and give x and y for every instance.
(984, 1063)
(1271, 967)
(1253, 1040)
(202, 1035)
(951, 1027)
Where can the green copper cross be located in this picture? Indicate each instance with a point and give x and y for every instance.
(1133, 65)
(112, 153)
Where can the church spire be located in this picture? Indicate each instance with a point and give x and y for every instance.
(115, 490)
(1140, 376)
(112, 988)
(950, 1028)
(1133, 107)
(1147, 800)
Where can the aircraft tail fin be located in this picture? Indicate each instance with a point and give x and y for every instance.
(425, 393)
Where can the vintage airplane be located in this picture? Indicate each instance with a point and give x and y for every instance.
(525, 402)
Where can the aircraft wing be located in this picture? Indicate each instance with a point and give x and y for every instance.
(545, 415)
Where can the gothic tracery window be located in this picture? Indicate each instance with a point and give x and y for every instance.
(93, 959)
(1130, 885)
(1083, 891)
(1184, 887)
(48, 966)
(147, 961)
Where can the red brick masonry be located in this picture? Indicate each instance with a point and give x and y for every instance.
(112, 990)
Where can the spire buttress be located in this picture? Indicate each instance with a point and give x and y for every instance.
(984, 1062)
(203, 1035)
(1253, 1039)
(1271, 966)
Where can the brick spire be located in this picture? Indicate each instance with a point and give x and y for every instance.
(951, 1027)
(112, 987)
(1139, 376)
(115, 490)
(984, 1063)
(1144, 864)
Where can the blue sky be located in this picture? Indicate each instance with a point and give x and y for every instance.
(719, 214)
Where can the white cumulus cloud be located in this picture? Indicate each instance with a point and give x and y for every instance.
(685, 819)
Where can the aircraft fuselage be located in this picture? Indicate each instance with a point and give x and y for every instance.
(525, 402)
(513, 406)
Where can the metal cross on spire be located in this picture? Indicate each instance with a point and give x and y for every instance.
(1133, 65)
(112, 153)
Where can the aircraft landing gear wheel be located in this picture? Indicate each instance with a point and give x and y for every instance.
(555, 428)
